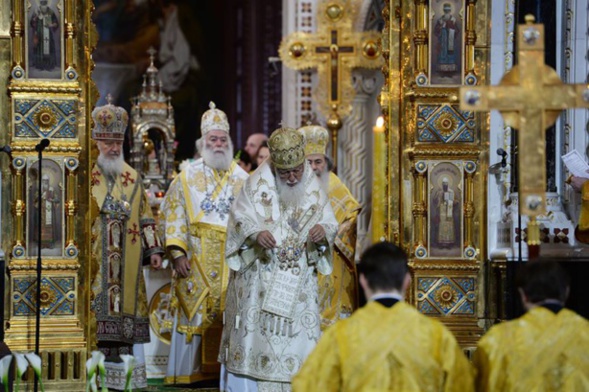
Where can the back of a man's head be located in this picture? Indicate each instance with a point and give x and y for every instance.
(543, 280)
(384, 265)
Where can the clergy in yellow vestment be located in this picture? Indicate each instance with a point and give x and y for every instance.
(547, 349)
(124, 237)
(338, 292)
(195, 211)
(581, 184)
(387, 345)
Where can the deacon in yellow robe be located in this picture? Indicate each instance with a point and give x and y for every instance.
(580, 184)
(338, 292)
(387, 345)
(547, 349)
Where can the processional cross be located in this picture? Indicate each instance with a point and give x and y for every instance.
(530, 97)
(334, 50)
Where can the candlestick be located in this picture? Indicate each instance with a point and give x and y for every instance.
(378, 181)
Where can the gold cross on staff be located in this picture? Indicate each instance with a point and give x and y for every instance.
(530, 97)
(334, 50)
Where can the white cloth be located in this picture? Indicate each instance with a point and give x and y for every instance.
(272, 319)
(184, 357)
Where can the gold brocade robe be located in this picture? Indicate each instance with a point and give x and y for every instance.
(196, 210)
(123, 236)
(540, 351)
(386, 349)
(582, 230)
(338, 292)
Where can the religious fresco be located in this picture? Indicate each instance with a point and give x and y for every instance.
(445, 210)
(50, 207)
(446, 42)
(44, 19)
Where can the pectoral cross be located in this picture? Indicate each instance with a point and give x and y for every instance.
(530, 97)
(334, 50)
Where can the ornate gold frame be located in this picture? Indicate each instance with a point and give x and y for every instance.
(451, 289)
(56, 109)
(421, 38)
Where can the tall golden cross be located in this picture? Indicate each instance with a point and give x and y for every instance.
(334, 50)
(530, 97)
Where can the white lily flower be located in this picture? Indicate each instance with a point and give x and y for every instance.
(4, 369)
(128, 366)
(35, 362)
(93, 362)
(93, 383)
(21, 367)
(21, 364)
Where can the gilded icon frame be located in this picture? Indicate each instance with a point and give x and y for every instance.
(54, 197)
(39, 51)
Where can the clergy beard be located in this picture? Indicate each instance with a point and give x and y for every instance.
(290, 196)
(323, 178)
(112, 167)
(218, 159)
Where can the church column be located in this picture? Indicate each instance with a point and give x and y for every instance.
(355, 144)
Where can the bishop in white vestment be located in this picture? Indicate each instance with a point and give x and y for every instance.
(196, 209)
(280, 236)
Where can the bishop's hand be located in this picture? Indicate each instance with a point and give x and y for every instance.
(266, 240)
(317, 233)
(577, 183)
(182, 266)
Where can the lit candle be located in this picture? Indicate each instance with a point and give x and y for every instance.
(378, 181)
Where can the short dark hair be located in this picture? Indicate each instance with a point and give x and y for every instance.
(243, 156)
(542, 280)
(384, 265)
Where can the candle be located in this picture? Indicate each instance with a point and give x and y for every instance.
(378, 181)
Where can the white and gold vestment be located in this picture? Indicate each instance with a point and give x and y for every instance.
(272, 317)
(196, 209)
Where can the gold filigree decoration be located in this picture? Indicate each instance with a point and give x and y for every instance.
(446, 124)
(334, 12)
(446, 296)
(45, 119)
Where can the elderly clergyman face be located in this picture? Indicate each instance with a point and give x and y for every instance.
(111, 158)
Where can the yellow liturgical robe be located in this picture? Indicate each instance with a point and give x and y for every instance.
(540, 351)
(386, 349)
(338, 292)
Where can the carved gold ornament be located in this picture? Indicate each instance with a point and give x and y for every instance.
(446, 124)
(45, 119)
(296, 50)
(334, 12)
(370, 49)
(446, 296)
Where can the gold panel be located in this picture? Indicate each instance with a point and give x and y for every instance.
(54, 108)
(447, 271)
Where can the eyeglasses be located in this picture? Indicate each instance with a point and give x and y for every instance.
(286, 173)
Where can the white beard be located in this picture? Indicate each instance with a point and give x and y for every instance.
(220, 160)
(112, 167)
(290, 196)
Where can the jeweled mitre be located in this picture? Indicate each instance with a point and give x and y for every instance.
(110, 122)
(316, 138)
(286, 148)
(213, 119)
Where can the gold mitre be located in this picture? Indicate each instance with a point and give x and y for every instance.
(110, 122)
(287, 148)
(213, 119)
(316, 138)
